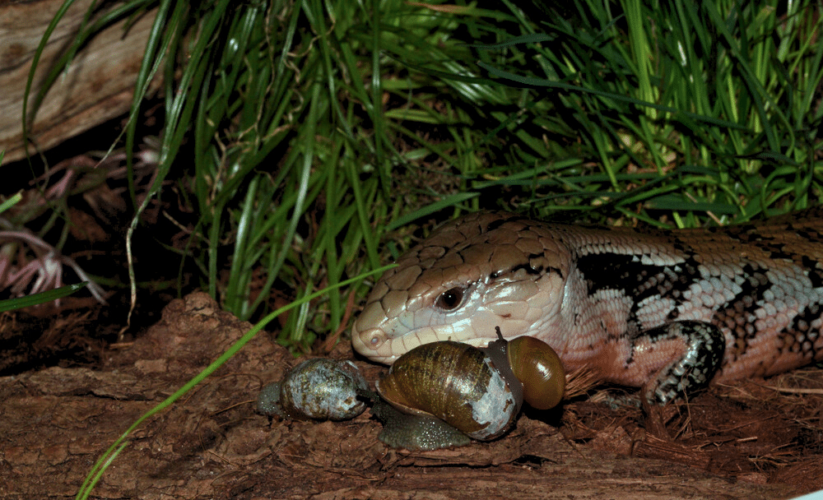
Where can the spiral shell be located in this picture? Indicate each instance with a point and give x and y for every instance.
(320, 389)
(478, 391)
(454, 382)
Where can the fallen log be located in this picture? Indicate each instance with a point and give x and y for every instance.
(58, 421)
(97, 86)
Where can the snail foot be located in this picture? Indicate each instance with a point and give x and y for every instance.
(413, 432)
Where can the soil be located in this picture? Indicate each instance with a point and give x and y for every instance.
(743, 441)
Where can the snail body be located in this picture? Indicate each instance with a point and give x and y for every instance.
(319, 389)
(478, 391)
(415, 432)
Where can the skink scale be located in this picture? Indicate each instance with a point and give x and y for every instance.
(670, 311)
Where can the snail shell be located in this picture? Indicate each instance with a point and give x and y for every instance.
(478, 391)
(321, 389)
(538, 367)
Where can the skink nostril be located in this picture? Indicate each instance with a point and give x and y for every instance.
(370, 339)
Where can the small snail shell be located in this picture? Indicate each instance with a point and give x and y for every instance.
(478, 391)
(539, 369)
(322, 389)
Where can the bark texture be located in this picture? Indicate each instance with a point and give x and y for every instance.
(97, 87)
(56, 423)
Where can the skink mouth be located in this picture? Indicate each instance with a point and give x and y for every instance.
(380, 347)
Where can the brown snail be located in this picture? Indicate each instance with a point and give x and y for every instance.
(320, 389)
(477, 391)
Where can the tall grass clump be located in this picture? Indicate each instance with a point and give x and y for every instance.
(640, 109)
(307, 135)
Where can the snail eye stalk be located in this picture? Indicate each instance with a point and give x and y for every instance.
(450, 299)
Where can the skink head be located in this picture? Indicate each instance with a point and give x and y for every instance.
(479, 272)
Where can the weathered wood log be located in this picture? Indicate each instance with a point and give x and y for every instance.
(98, 85)
(55, 423)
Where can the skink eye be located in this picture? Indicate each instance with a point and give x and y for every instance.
(450, 299)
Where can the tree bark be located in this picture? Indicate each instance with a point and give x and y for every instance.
(97, 86)
(55, 423)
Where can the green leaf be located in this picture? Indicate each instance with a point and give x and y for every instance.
(40, 298)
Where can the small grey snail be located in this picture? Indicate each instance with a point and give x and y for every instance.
(477, 391)
(320, 389)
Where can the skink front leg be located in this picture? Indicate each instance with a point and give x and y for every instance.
(703, 345)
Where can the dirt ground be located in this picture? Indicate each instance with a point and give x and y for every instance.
(745, 441)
